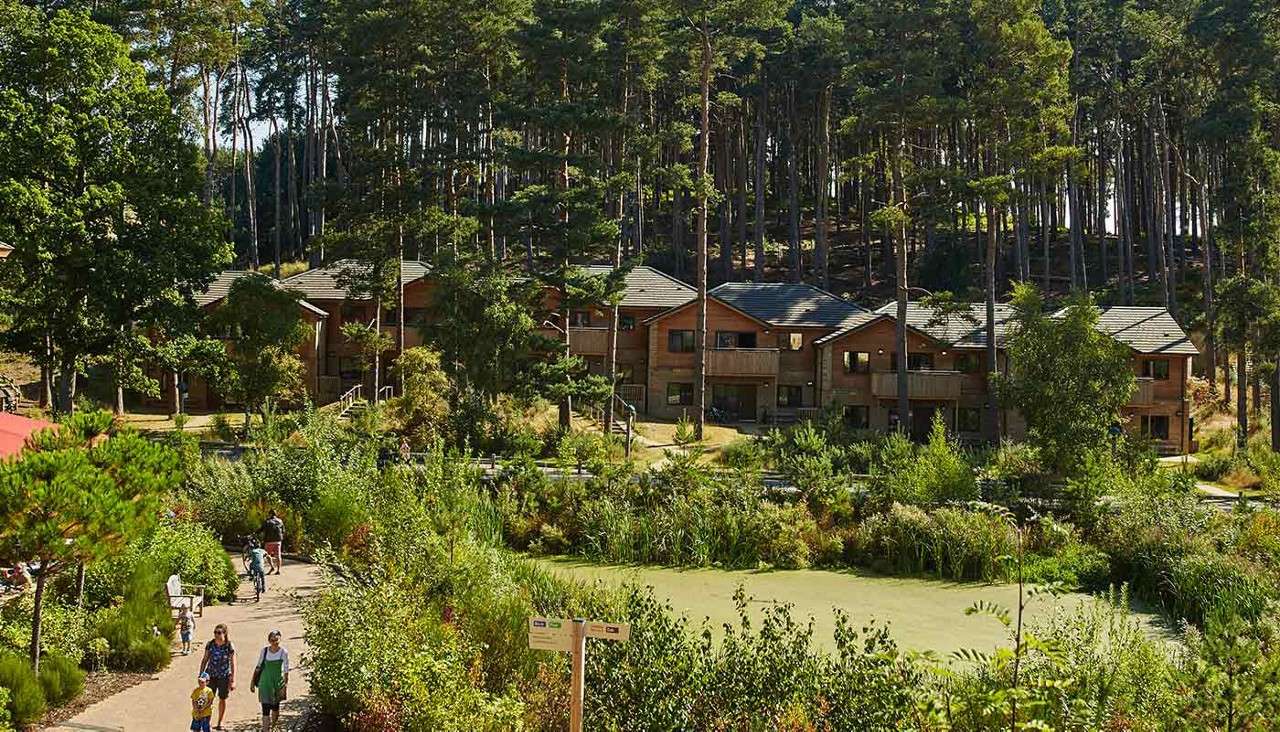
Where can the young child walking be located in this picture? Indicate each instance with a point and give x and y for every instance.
(201, 704)
(186, 626)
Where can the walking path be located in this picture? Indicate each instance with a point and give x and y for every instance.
(164, 702)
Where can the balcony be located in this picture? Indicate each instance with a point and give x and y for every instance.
(920, 384)
(1145, 393)
(762, 362)
(586, 341)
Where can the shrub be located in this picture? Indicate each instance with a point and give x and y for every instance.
(1204, 586)
(784, 542)
(220, 493)
(334, 515)
(936, 472)
(26, 699)
(64, 627)
(60, 678)
(138, 630)
(5, 718)
(185, 548)
(1213, 466)
(743, 453)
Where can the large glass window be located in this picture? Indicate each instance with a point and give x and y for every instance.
(580, 318)
(679, 394)
(680, 341)
(967, 363)
(857, 362)
(1155, 426)
(735, 339)
(626, 322)
(790, 395)
(968, 419)
(1156, 368)
(791, 341)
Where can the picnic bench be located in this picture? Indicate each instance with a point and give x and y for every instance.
(183, 596)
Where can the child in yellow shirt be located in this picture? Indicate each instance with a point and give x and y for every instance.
(201, 705)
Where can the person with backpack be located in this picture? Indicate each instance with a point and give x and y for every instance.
(273, 537)
(271, 679)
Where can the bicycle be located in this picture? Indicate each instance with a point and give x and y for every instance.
(246, 554)
(259, 584)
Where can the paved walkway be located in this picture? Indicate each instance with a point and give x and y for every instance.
(164, 702)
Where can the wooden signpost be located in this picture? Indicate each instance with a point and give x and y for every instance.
(560, 634)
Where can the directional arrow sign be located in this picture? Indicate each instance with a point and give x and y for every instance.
(550, 634)
(609, 631)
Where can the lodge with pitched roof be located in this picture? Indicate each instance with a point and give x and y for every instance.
(775, 352)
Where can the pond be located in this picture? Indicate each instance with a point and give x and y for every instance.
(922, 614)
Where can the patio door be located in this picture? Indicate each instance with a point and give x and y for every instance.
(738, 401)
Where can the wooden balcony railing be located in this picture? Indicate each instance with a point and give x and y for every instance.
(742, 362)
(589, 341)
(1145, 394)
(920, 384)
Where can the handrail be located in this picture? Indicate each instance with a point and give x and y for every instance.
(349, 397)
(749, 350)
(385, 393)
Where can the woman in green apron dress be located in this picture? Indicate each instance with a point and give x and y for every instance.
(271, 678)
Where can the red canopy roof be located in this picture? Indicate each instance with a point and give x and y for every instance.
(14, 431)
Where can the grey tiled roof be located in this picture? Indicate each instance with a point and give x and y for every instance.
(850, 324)
(322, 283)
(787, 304)
(649, 288)
(221, 287)
(1145, 329)
(956, 331)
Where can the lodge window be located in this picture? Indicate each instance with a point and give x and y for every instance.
(626, 322)
(968, 419)
(1157, 369)
(790, 395)
(967, 363)
(352, 313)
(791, 341)
(679, 394)
(580, 319)
(680, 341)
(857, 416)
(857, 362)
(735, 339)
(915, 361)
(1155, 426)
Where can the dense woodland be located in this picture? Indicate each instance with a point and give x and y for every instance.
(1127, 149)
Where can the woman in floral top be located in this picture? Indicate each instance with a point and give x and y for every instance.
(220, 663)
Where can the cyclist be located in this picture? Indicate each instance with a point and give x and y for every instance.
(257, 564)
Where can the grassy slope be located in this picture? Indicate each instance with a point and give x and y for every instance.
(923, 614)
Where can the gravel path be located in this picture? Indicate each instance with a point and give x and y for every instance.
(162, 703)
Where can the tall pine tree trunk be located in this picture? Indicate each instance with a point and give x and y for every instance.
(761, 140)
(704, 151)
(821, 250)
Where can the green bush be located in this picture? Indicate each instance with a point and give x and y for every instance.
(138, 630)
(1204, 586)
(953, 543)
(1075, 565)
(1212, 466)
(936, 472)
(26, 699)
(334, 515)
(64, 627)
(6, 720)
(60, 678)
(221, 492)
(743, 453)
(185, 548)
